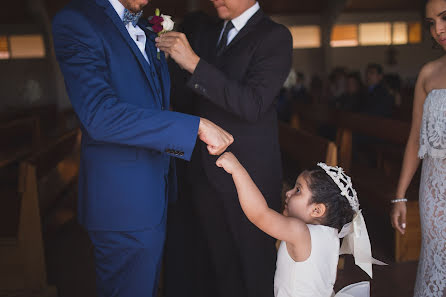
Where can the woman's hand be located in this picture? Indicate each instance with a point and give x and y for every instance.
(229, 163)
(398, 216)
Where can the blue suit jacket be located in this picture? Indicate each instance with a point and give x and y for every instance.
(129, 135)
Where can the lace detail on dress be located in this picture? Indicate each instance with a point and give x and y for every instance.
(431, 275)
(433, 126)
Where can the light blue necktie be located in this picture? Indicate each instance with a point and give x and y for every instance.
(130, 17)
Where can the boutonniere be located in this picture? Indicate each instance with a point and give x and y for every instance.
(160, 24)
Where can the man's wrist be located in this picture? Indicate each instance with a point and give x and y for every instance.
(202, 125)
(192, 65)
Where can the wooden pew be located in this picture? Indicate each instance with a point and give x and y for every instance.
(302, 150)
(379, 185)
(43, 180)
(47, 115)
(391, 131)
(305, 148)
(19, 138)
(24, 134)
(408, 246)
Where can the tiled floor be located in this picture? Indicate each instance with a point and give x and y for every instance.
(70, 266)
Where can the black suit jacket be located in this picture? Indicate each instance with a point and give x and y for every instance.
(378, 102)
(238, 91)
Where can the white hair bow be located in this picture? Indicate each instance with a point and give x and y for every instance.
(357, 243)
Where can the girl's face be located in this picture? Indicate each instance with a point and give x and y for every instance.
(298, 201)
(436, 19)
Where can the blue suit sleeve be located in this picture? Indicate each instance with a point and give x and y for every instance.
(106, 118)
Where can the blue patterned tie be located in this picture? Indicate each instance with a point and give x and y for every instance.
(130, 17)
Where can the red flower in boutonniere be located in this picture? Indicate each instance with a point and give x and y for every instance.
(160, 24)
(156, 22)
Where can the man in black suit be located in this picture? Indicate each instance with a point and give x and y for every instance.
(236, 68)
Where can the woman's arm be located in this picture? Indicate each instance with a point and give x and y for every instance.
(289, 229)
(411, 160)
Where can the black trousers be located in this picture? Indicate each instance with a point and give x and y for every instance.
(213, 250)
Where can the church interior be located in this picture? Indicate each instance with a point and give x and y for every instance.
(45, 252)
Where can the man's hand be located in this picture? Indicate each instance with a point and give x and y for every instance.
(229, 163)
(177, 46)
(215, 137)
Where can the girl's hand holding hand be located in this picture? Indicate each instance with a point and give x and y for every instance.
(229, 163)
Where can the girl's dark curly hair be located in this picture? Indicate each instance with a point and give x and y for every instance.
(325, 191)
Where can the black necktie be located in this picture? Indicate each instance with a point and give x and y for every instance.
(224, 38)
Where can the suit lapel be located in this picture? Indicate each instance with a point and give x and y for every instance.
(110, 11)
(247, 28)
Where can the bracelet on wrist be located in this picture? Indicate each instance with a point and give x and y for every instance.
(398, 200)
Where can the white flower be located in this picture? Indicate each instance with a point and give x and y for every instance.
(167, 23)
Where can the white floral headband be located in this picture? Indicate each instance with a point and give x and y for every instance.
(344, 183)
(356, 238)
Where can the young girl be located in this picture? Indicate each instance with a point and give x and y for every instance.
(320, 209)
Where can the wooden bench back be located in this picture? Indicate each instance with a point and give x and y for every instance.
(19, 138)
(56, 169)
(391, 131)
(408, 246)
(348, 123)
(47, 115)
(302, 150)
(42, 180)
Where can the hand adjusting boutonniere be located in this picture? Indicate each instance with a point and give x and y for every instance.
(160, 24)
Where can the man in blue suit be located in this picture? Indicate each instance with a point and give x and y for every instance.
(120, 90)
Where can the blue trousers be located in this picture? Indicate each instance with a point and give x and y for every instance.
(128, 263)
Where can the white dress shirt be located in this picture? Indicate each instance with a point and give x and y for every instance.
(239, 22)
(136, 33)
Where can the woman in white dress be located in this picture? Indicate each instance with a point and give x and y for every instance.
(427, 141)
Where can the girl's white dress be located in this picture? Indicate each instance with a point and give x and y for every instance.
(316, 276)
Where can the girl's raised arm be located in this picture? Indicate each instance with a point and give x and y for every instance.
(289, 229)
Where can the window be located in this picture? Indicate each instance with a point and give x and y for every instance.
(306, 36)
(414, 32)
(4, 48)
(375, 34)
(399, 33)
(369, 34)
(26, 46)
(344, 35)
